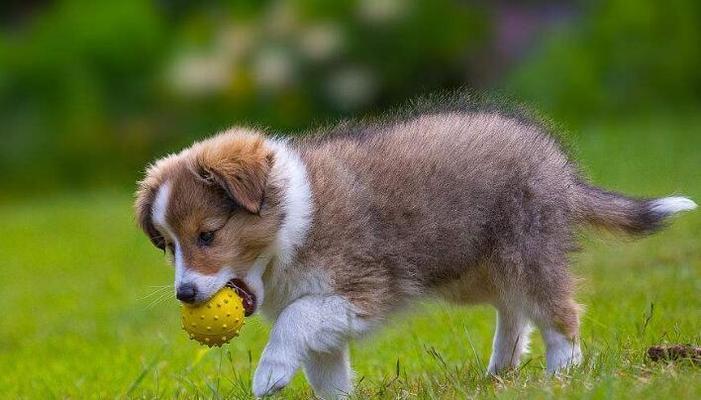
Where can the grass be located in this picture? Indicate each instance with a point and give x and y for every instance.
(82, 316)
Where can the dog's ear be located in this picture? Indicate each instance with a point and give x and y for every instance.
(143, 207)
(239, 164)
(156, 175)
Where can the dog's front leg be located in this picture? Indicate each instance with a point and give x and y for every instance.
(330, 374)
(313, 330)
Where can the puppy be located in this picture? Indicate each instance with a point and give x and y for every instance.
(329, 234)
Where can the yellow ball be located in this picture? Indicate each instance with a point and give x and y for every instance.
(216, 321)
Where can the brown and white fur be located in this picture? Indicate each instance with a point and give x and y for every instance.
(333, 233)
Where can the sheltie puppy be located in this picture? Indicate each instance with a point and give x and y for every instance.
(329, 234)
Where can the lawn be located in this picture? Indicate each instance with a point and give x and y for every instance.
(86, 311)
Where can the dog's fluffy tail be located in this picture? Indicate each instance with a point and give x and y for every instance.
(618, 212)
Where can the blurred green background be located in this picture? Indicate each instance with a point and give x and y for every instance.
(90, 92)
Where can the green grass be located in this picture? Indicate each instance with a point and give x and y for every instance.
(75, 321)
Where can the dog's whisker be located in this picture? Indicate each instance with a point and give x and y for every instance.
(163, 297)
(154, 293)
(149, 296)
(153, 305)
(157, 290)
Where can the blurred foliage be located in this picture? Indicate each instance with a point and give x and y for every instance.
(75, 82)
(91, 91)
(624, 56)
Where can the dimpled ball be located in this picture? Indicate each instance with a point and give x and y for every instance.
(216, 321)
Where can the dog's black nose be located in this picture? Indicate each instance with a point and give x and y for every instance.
(186, 293)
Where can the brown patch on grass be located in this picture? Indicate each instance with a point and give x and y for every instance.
(675, 352)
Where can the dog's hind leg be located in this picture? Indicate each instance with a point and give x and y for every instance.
(510, 339)
(560, 331)
(531, 274)
(551, 307)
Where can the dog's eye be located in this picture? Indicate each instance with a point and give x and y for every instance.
(205, 238)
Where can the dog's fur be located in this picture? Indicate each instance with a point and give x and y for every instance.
(335, 232)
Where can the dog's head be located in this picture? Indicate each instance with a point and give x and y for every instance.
(213, 209)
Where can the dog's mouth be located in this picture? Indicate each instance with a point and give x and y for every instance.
(249, 299)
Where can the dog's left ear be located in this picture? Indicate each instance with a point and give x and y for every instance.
(239, 164)
(146, 195)
(144, 201)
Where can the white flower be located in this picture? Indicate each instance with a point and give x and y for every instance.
(273, 68)
(321, 42)
(352, 87)
(196, 74)
(377, 11)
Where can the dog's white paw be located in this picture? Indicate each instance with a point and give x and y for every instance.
(271, 376)
(562, 353)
